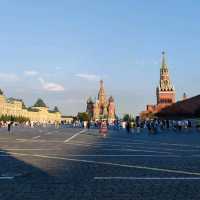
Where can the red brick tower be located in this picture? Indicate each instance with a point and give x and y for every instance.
(166, 94)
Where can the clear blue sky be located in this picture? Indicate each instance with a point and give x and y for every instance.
(57, 50)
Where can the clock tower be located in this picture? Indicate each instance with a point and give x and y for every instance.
(166, 94)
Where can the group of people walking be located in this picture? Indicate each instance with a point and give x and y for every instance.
(138, 126)
(154, 126)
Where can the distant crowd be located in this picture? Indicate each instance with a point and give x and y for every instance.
(11, 124)
(152, 126)
(158, 126)
(137, 126)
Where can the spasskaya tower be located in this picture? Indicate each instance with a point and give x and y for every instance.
(166, 94)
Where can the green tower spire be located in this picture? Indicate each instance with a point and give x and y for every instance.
(164, 65)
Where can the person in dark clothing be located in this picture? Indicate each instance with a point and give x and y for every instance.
(128, 126)
(149, 127)
(189, 124)
(167, 122)
(9, 127)
(88, 125)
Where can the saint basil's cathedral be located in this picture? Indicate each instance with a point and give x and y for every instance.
(102, 108)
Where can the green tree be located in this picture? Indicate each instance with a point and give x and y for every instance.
(75, 118)
(1, 92)
(40, 103)
(56, 109)
(128, 117)
(83, 116)
(23, 105)
(19, 119)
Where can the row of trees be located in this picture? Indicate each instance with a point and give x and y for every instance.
(128, 118)
(83, 116)
(19, 119)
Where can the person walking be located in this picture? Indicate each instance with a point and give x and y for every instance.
(103, 128)
(128, 126)
(180, 126)
(9, 127)
(88, 125)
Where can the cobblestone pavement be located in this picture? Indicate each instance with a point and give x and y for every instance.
(44, 163)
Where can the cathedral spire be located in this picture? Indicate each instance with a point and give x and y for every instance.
(102, 94)
(101, 83)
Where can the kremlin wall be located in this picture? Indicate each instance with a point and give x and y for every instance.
(14, 107)
(187, 108)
